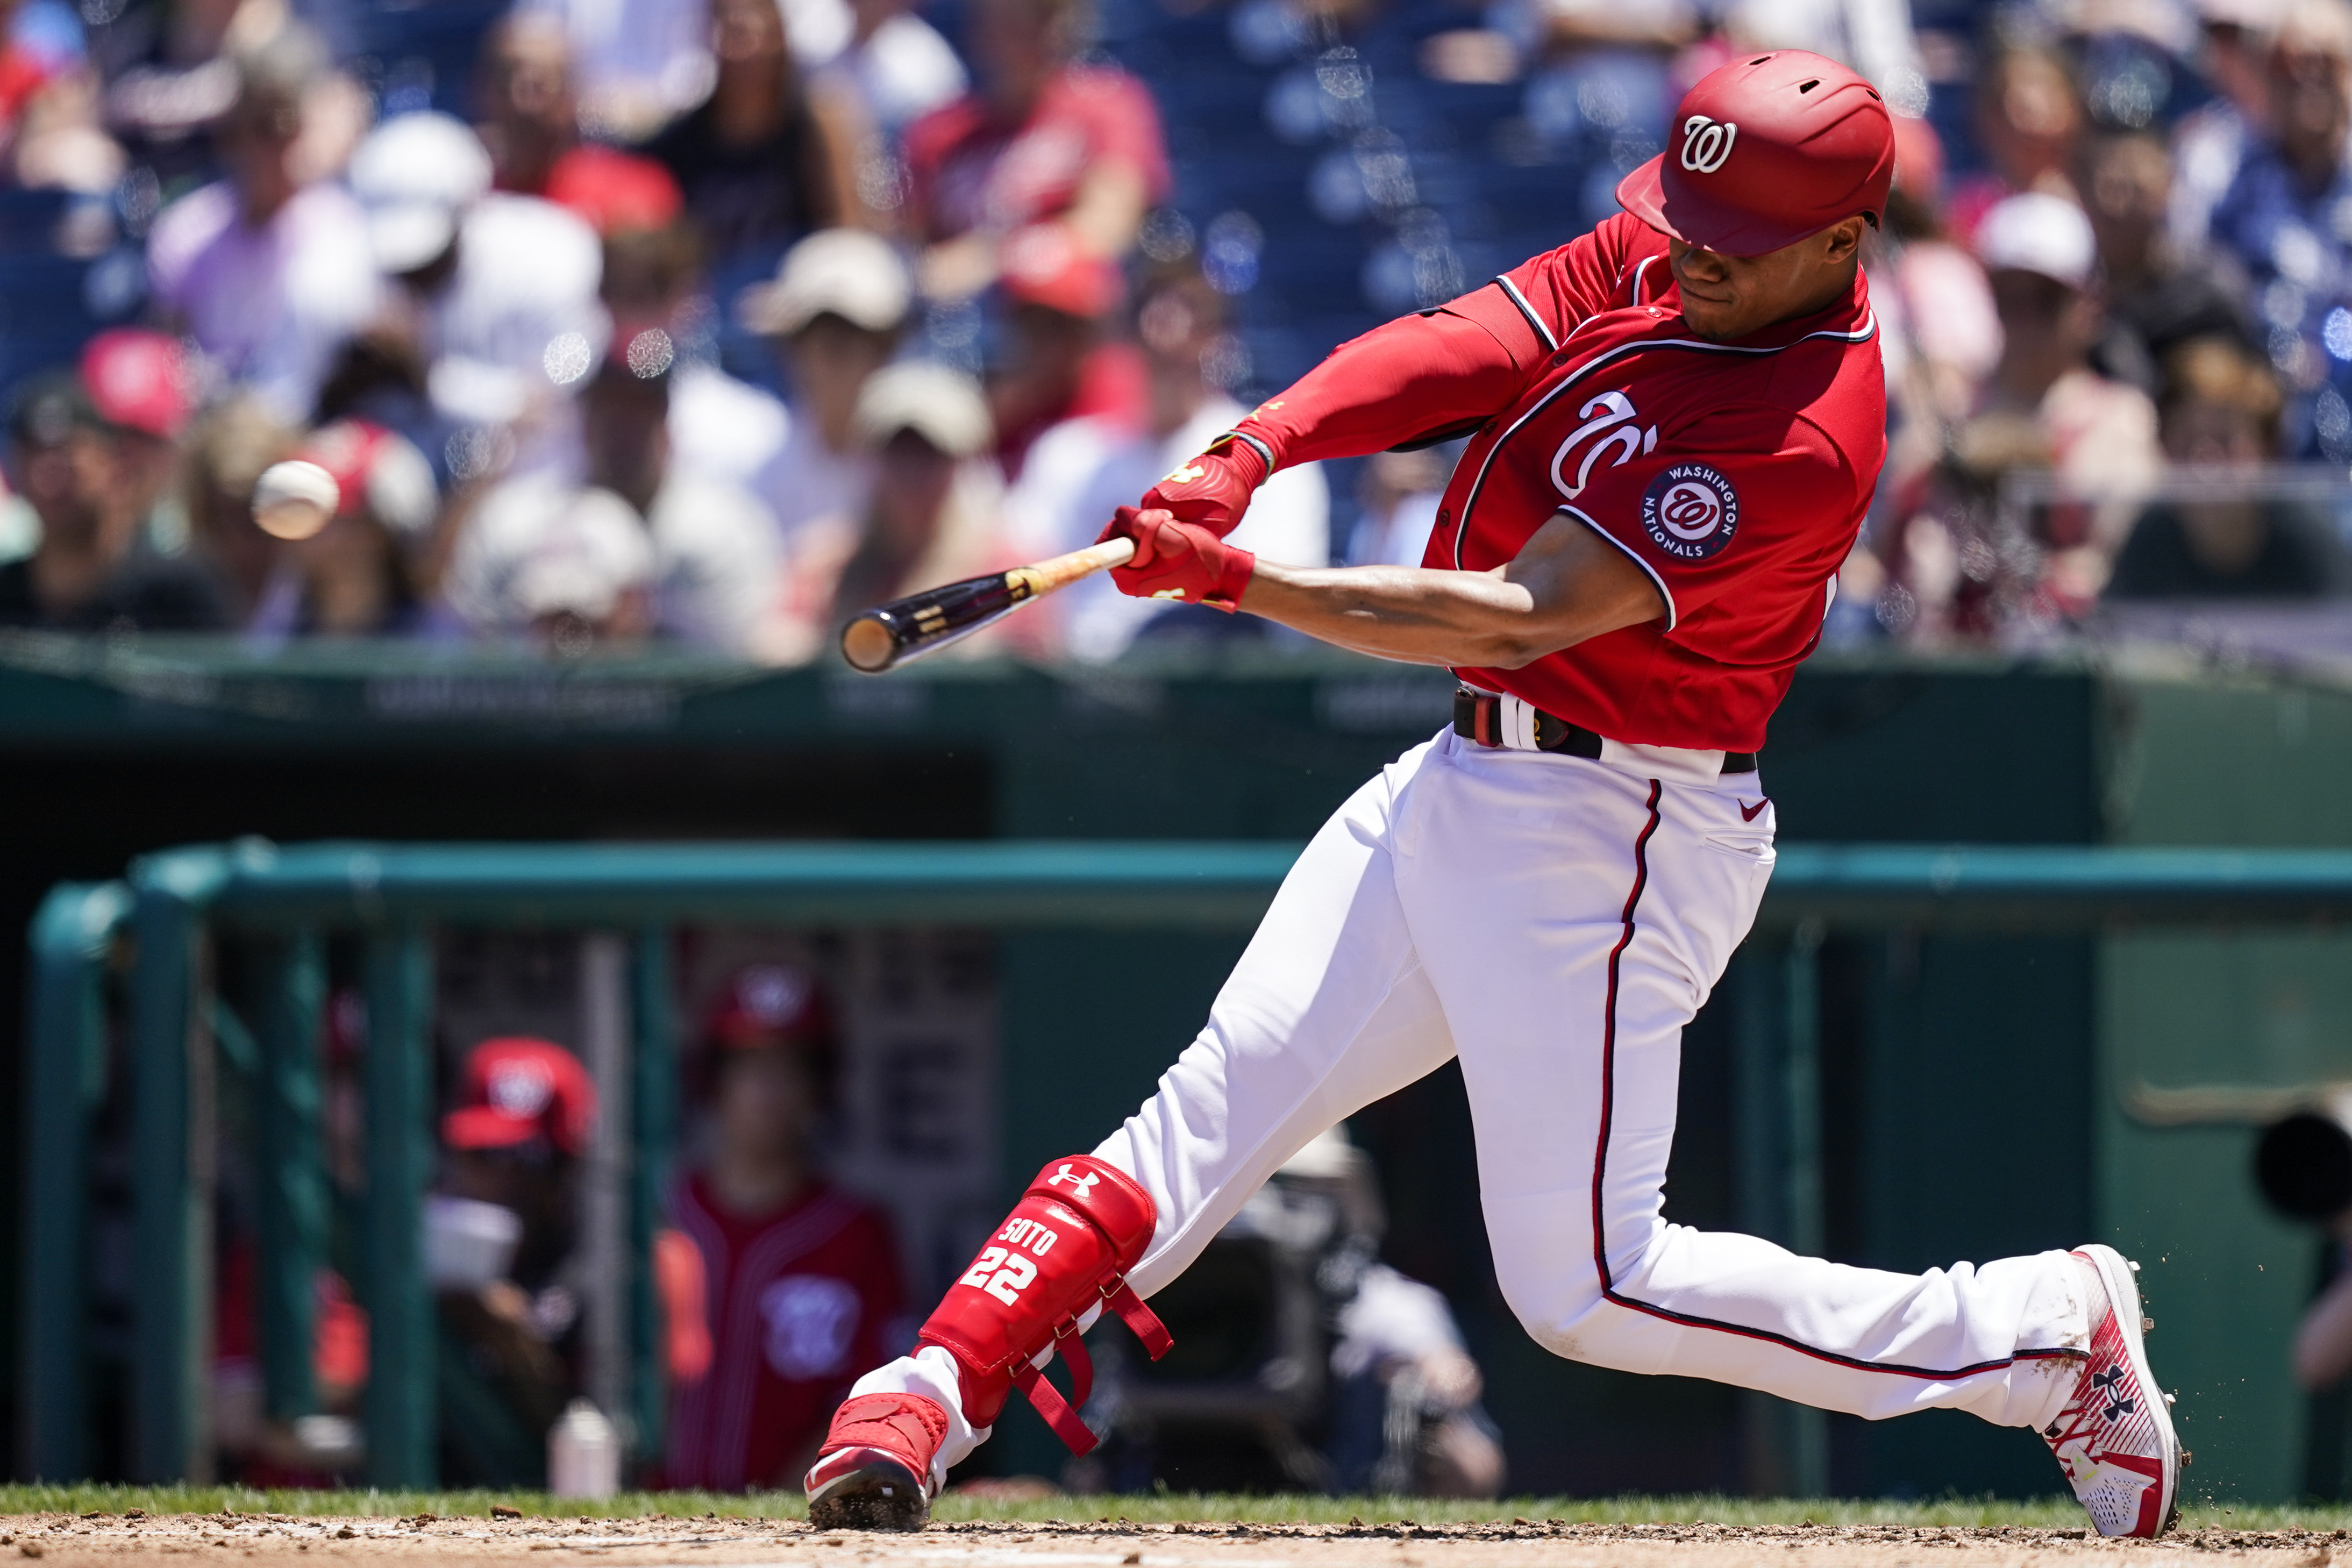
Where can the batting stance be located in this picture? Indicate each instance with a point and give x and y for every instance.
(1676, 422)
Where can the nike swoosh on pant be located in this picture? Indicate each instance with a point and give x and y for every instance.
(1747, 813)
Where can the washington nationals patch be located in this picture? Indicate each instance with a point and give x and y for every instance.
(1690, 512)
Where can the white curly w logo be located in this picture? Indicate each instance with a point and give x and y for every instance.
(1706, 143)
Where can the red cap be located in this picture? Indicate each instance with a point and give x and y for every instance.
(518, 1089)
(1764, 151)
(137, 379)
(766, 1003)
(377, 470)
(616, 193)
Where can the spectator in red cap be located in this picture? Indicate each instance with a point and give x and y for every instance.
(1061, 364)
(802, 1281)
(138, 381)
(498, 1246)
(93, 570)
(1043, 143)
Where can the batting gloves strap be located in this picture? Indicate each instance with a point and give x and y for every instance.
(1062, 1253)
(1180, 561)
(1213, 488)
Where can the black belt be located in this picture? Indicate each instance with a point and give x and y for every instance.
(1478, 717)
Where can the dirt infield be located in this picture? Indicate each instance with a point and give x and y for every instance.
(69, 1540)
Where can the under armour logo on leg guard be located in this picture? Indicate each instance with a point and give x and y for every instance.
(1079, 1185)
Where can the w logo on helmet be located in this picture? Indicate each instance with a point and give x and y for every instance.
(1706, 143)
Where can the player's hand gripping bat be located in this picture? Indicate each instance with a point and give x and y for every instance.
(891, 635)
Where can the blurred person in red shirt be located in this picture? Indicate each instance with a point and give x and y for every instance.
(1044, 142)
(801, 1282)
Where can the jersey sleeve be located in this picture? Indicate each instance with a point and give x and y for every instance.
(1412, 381)
(1561, 289)
(1748, 489)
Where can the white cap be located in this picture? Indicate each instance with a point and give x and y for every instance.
(943, 406)
(844, 272)
(415, 175)
(592, 552)
(2038, 233)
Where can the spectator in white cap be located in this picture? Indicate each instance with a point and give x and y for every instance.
(833, 312)
(490, 287)
(713, 575)
(268, 270)
(934, 515)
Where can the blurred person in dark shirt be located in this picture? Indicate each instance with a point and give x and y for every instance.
(1044, 142)
(525, 108)
(2221, 415)
(771, 154)
(501, 1234)
(138, 381)
(801, 1281)
(2279, 220)
(92, 571)
(2157, 296)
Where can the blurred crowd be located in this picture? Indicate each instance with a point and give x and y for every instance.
(718, 319)
(678, 340)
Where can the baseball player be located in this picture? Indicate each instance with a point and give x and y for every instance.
(1675, 422)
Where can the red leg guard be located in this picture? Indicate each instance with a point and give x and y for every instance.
(1066, 1245)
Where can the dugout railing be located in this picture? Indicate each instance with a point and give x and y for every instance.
(292, 900)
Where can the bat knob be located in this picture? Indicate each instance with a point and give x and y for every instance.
(869, 644)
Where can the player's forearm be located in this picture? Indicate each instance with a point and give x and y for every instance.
(1473, 619)
(1411, 379)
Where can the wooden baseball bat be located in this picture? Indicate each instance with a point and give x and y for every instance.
(905, 629)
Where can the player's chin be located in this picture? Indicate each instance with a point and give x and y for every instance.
(1714, 322)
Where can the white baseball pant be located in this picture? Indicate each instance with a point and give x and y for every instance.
(1556, 922)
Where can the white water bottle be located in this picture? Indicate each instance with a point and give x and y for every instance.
(583, 1453)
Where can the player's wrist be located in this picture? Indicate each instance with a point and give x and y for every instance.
(1235, 567)
(1250, 452)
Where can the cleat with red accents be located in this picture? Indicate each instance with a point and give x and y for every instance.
(874, 1470)
(2115, 1438)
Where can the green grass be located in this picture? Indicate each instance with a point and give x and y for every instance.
(1165, 1507)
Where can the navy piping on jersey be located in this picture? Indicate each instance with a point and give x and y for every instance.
(1551, 344)
(1868, 329)
(1641, 276)
(1634, 556)
(1609, 1290)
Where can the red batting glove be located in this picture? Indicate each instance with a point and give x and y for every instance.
(1181, 560)
(1213, 490)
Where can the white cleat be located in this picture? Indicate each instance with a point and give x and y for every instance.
(2115, 1441)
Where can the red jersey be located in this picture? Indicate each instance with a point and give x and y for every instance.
(1736, 475)
(972, 171)
(801, 1302)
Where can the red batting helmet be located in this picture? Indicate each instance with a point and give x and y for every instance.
(1764, 151)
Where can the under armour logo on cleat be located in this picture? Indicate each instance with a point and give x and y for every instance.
(1079, 1185)
(2108, 1383)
